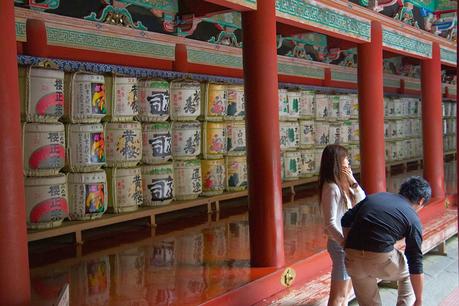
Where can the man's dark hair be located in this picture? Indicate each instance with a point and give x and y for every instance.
(414, 188)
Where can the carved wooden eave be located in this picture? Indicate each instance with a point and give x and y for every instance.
(237, 5)
(352, 22)
(88, 35)
(391, 80)
(301, 68)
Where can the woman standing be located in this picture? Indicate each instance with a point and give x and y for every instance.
(339, 191)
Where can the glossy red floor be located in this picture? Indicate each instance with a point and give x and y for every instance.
(189, 259)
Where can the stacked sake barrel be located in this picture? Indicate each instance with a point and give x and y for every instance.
(186, 138)
(157, 167)
(449, 125)
(42, 106)
(123, 144)
(214, 138)
(352, 131)
(235, 157)
(289, 128)
(85, 107)
(402, 128)
(306, 123)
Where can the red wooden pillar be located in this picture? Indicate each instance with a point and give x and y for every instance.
(14, 263)
(371, 112)
(263, 147)
(432, 124)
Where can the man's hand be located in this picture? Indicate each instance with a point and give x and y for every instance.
(417, 281)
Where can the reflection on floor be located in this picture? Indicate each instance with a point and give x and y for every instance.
(189, 259)
(394, 181)
(176, 267)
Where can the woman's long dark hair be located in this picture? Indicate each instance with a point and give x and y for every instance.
(331, 170)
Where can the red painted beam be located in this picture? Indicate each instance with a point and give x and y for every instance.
(14, 262)
(300, 80)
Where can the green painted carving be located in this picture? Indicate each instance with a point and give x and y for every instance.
(389, 82)
(411, 45)
(444, 5)
(323, 17)
(21, 30)
(116, 16)
(228, 23)
(214, 59)
(344, 76)
(170, 6)
(448, 56)
(226, 39)
(430, 5)
(296, 70)
(40, 5)
(413, 85)
(230, 20)
(83, 40)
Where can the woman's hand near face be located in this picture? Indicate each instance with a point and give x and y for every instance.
(347, 172)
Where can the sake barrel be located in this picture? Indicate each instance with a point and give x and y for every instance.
(355, 105)
(344, 132)
(306, 133)
(387, 107)
(156, 142)
(307, 163)
(400, 126)
(322, 133)
(397, 108)
(387, 151)
(236, 138)
(213, 140)
(158, 184)
(355, 131)
(335, 133)
(154, 100)
(400, 147)
(345, 107)
(283, 104)
(317, 159)
(387, 130)
(393, 129)
(414, 107)
(293, 97)
(124, 144)
(334, 107)
(289, 135)
(214, 101)
(307, 104)
(186, 139)
(125, 189)
(213, 176)
(88, 196)
(393, 151)
(405, 106)
(236, 169)
(443, 109)
(445, 126)
(185, 100)
(408, 149)
(43, 148)
(187, 179)
(46, 201)
(123, 104)
(355, 162)
(322, 107)
(44, 94)
(86, 98)
(236, 102)
(86, 147)
(348, 133)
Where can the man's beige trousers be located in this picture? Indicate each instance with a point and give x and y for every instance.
(366, 267)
